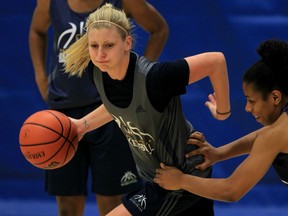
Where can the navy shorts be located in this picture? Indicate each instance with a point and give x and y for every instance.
(154, 200)
(103, 154)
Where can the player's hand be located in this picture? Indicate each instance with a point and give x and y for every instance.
(212, 106)
(168, 177)
(81, 128)
(209, 152)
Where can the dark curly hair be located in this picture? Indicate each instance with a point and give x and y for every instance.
(271, 71)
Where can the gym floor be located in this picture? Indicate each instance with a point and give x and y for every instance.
(27, 198)
(48, 208)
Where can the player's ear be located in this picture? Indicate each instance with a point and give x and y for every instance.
(129, 42)
(277, 96)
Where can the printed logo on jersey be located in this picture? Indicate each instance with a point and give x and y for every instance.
(140, 109)
(139, 201)
(135, 137)
(72, 35)
(128, 178)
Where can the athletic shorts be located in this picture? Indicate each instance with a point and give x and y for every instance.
(156, 201)
(103, 154)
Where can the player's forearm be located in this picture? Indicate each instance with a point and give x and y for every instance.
(238, 147)
(96, 119)
(220, 82)
(38, 50)
(216, 189)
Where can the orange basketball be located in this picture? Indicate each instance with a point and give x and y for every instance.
(48, 139)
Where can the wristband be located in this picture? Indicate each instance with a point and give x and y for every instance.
(223, 113)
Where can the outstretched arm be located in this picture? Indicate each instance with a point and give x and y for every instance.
(230, 189)
(151, 21)
(213, 155)
(92, 121)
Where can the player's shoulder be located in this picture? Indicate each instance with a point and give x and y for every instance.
(275, 136)
(279, 132)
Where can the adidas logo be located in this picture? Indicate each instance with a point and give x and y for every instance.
(140, 109)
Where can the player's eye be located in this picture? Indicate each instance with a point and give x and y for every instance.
(109, 45)
(94, 45)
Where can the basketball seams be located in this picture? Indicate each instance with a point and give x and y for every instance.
(46, 127)
(51, 129)
(69, 130)
(68, 140)
(64, 137)
(56, 153)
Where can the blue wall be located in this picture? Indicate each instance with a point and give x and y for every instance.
(234, 27)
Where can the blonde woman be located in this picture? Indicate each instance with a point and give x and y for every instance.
(143, 97)
(69, 184)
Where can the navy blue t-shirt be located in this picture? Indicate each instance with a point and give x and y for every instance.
(162, 83)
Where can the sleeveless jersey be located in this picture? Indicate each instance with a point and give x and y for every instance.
(154, 137)
(280, 163)
(68, 26)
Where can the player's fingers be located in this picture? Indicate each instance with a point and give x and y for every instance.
(162, 165)
(196, 142)
(212, 98)
(156, 178)
(203, 165)
(165, 167)
(193, 153)
(197, 135)
(210, 105)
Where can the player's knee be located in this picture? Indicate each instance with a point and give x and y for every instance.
(107, 203)
(70, 206)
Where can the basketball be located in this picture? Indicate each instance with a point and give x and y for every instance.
(48, 139)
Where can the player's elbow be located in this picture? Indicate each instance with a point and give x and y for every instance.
(232, 197)
(160, 29)
(164, 31)
(219, 58)
(218, 63)
(161, 32)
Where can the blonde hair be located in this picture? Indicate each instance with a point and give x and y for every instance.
(77, 55)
